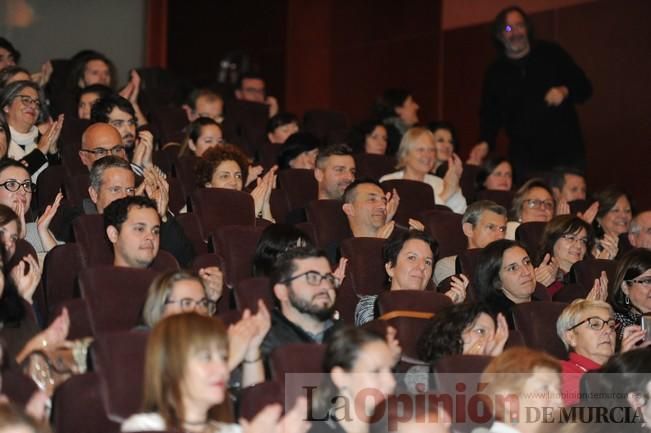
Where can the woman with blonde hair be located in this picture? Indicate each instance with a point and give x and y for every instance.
(416, 159)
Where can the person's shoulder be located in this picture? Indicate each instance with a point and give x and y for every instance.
(547, 48)
(391, 176)
(143, 421)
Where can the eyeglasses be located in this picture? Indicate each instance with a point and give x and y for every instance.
(534, 203)
(596, 323)
(314, 278)
(121, 123)
(28, 100)
(101, 152)
(494, 228)
(14, 185)
(646, 282)
(188, 304)
(573, 238)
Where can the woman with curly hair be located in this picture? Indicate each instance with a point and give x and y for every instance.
(468, 329)
(227, 167)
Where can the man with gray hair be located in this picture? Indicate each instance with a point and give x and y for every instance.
(483, 222)
(639, 234)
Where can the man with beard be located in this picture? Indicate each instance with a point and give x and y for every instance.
(531, 90)
(304, 287)
(334, 171)
(120, 114)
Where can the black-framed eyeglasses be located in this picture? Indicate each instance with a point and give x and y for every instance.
(314, 278)
(119, 123)
(101, 152)
(188, 304)
(14, 185)
(596, 323)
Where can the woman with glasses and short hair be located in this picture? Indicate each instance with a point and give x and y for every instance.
(409, 258)
(533, 202)
(177, 292)
(16, 189)
(588, 331)
(22, 104)
(565, 241)
(631, 290)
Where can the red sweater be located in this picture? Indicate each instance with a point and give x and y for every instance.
(573, 371)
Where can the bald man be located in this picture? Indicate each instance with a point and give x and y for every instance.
(100, 140)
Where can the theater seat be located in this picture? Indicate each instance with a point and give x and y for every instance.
(372, 166)
(329, 221)
(530, 235)
(236, 247)
(115, 296)
(254, 398)
(446, 228)
(299, 187)
(584, 272)
(325, 124)
(415, 198)
(296, 358)
(536, 321)
(503, 198)
(248, 291)
(61, 267)
(119, 359)
(218, 207)
(412, 300)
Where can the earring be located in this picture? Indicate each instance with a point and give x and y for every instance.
(627, 300)
(390, 279)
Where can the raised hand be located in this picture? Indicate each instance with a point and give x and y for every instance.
(26, 283)
(562, 208)
(599, 291)
(609, 247)
(394, 344)
(393, 201)
(416, 225)
(590, 213)
(458, 286)
(546, 272)
(496, 344)
(340, 272)
(385, 231)
(144, 149)
(43, 223)
(556, 95)
(48, 141)
(213, 281)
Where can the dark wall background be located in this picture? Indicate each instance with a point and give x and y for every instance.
(341, 54)
(611, 41)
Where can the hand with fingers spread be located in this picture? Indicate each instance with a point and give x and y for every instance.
(547, 271)
(590, 213)
(26, 282)
(458, 286)
(599, 291)
(43, 223)
(213, 281)
(48, 141)
(393, 201)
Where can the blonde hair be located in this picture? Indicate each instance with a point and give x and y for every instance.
(407, 143)
(571, 314)
(510, 371)
(170, 344)
(159, 293)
